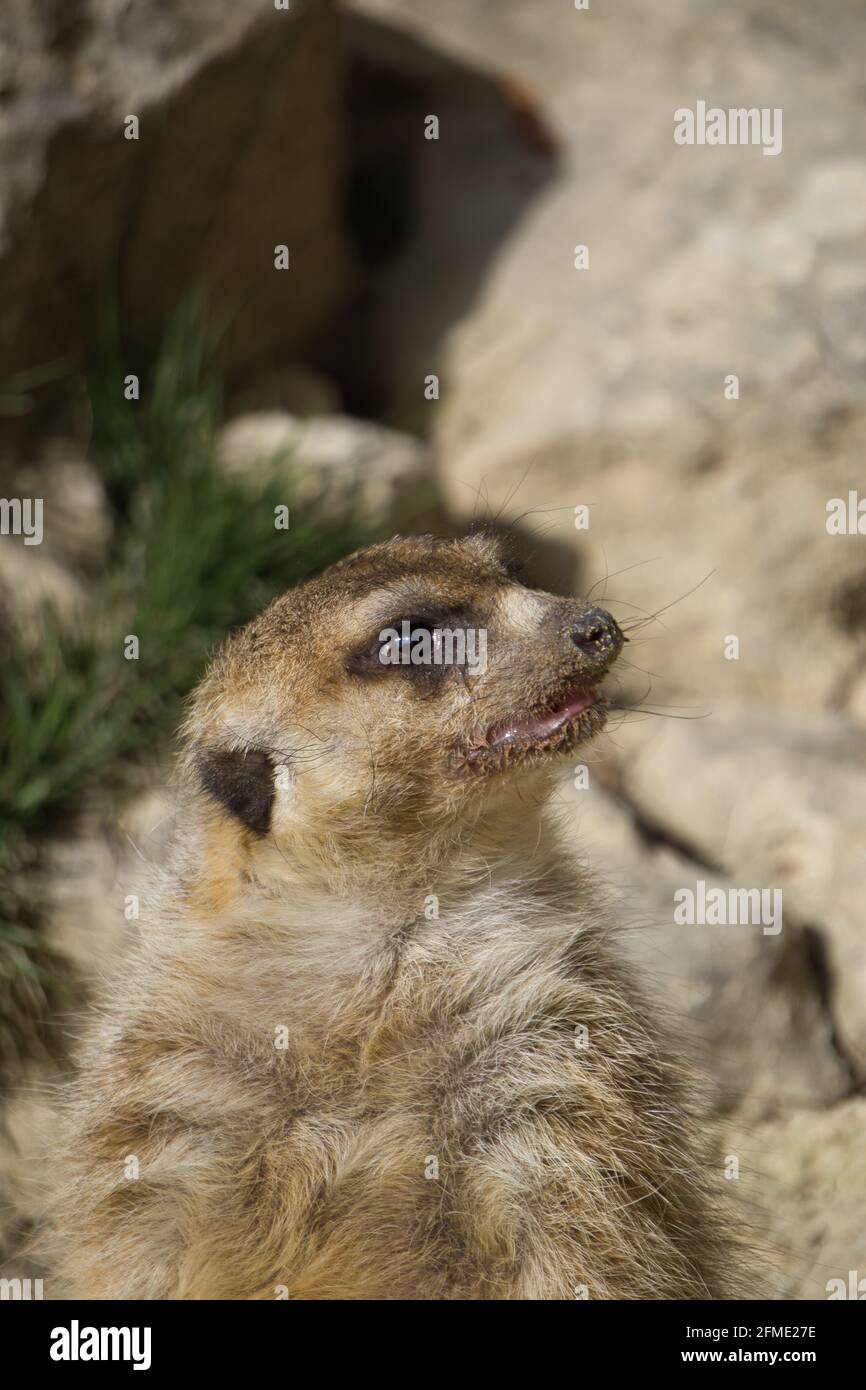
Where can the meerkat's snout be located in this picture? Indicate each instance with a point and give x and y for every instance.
(597, 636)
(550, 656)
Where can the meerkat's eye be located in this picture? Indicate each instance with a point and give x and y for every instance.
(408, 644)
(402, 637)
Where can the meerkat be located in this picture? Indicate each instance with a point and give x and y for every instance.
(375, 1040)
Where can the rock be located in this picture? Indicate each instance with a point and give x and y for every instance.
(376, 470)
(606, 386)
(779, 802)
(856, 708)
(77, 520)
(30, 584)
(752, 1008)
(239, 150)
(832, 199)
(74, 535)
(748, 1003)
(805, 1180)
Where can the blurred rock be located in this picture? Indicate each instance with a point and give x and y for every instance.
(606, 386)
(856, 708)
(779, 802)
(76, 532)
(239, 150)
(30, 584)
(805, 1179)
(376, 471)
(77, 519)
(748, 1003)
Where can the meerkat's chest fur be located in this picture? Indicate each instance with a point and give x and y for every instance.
(470, 1106)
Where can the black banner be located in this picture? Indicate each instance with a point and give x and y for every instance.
(155, 1338)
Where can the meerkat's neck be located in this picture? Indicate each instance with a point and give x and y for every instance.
(392, 875)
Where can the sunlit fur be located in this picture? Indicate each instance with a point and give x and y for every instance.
(427, 952)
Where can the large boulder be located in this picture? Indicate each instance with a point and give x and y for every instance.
(779, 802)
(377, 474)
(239, 150)
(805, 1181)
(750, 1004)
(606, 386)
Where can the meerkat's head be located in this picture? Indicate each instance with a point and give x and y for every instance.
(391, 698)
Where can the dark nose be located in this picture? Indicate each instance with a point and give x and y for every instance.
(596, 635)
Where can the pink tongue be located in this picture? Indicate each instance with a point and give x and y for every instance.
(543, 724)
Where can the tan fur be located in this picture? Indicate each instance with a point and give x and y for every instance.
(431, 1129)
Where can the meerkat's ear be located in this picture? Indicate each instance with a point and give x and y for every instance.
(488, 543)
(241, 780)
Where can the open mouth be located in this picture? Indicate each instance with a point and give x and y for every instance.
(580, 714)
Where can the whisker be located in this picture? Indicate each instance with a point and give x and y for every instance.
(659, 713)
(641, 622)
(613, 575)
(633, 667)
(514, 491)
